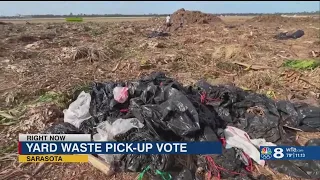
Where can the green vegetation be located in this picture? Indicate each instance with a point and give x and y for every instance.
(9, 149)
(74, 19)
(302, 64)
(57, 98)
(86, 87)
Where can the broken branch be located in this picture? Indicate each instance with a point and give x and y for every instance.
(253, 67)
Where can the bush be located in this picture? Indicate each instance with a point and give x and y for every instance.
(74, 19)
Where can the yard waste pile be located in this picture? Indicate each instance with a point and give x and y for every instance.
(158, 108)
(192, 17)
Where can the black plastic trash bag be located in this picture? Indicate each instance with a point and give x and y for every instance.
(185, 174)
(286, 36)
(154, 34)
(103, 104)
(305, 169)
(254, 113)
(62, 128)
(137, 162)
(230, 165)
(250, 177)
(208, 135)
(258, 116)
(88, 126)
(300, 115)
(174, 113)
(300, 169)
(282, 36)
(297, 34)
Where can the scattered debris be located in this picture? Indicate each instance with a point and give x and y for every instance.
(154, 34)
(253, 67)
(38, 57)
(285, 36)
(203, 112)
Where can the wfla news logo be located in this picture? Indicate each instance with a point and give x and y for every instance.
(267, 153)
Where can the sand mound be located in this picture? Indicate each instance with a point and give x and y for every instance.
(281, 19)
(191, 17)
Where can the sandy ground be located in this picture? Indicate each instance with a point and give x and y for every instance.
(61, 20)
(54, 56)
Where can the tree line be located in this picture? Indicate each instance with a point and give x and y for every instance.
(153, 15)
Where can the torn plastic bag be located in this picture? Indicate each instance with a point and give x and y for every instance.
(254, 113)
(243, 157)
(107, 132)
(297, 34)
(237, 138)
(226, 165)
(282, 36)
(185, 174)
(286, 36)
(103, 105)
(224, 95)
(62, 128)
(137, 162)
(207, 115)
(78, 110)
(300, 169)
(148, 84)
(258, 116)
(250, 177)
(208, 135)
(88, 126)
(300, 115)
(120, 94)
(305, 169)
(176, 113)
(154, 34)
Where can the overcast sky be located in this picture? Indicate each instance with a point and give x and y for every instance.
(159, 7)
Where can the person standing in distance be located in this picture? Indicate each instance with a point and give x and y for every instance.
(168, 22)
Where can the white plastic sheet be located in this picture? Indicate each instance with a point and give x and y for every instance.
(237, 138)
(78, 110)
(107, 132)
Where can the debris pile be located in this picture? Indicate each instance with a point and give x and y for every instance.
(158, 108)
(269, 19)
(282, 19)
(193, 17)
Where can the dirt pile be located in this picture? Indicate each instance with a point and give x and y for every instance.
(4, 23)
(191, 17)
(269, 19)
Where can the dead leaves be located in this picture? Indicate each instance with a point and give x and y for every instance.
(292, 76)
(256, 110)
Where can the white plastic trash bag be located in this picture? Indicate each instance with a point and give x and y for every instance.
(107, 132)
(78, 110)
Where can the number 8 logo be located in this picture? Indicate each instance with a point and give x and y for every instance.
(278, 153)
